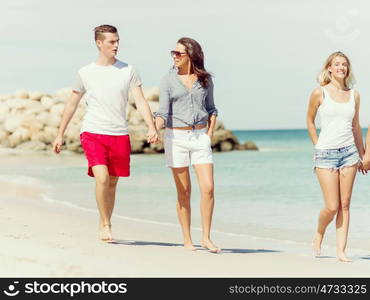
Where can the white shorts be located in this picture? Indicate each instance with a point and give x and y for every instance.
(187, 147)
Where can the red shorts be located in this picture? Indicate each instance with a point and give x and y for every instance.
(110, 150)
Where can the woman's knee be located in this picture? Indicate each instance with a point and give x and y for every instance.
(344, 205)
(208, 190)
(184, 195)
(331, 211)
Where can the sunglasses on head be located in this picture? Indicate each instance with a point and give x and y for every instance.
(177, 53)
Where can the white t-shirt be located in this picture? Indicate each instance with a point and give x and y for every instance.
(106, 94)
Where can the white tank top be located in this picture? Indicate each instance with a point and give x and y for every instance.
(336, 122)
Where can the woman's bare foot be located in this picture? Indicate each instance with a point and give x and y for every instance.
(106, 233)
(316, 245)
(342, 257)
(190, 247)
(188, 244)
(208, 244)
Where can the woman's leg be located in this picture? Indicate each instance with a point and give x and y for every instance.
(183, 186)
(346, 180)
(205, 179)
(329, 182)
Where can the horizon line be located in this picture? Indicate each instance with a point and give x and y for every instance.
(277, 129)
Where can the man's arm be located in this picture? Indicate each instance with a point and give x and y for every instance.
(68, 113)
(144, 109)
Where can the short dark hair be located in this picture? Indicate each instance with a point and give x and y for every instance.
(99, 30)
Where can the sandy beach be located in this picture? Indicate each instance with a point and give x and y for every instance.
(42, 238)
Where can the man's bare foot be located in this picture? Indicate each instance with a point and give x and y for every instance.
(208, 244)
(106, 233)
(342, 257)
(316, 245)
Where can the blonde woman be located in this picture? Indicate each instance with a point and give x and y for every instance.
(338, 149)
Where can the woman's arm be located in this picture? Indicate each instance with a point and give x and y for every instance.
(211, 125)
(211, 109)
(356, 129)
(161, 115)
(314, 103)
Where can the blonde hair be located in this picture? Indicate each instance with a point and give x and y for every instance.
(324, 76)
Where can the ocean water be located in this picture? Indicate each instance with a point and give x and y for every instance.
(270, 193)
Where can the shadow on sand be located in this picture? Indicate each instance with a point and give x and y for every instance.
(224, 250)
(365, 257)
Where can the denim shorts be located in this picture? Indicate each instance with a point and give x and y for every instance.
(336, 159)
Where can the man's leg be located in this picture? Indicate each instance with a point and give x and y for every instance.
(102, 189)
(113, 180)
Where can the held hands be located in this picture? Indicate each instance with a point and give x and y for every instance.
(152, 136)
(58, 144)
(361, 168)
(366, 163)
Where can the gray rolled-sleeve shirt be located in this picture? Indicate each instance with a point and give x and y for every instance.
(181, 107)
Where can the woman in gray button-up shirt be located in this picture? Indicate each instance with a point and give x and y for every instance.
(187, 110)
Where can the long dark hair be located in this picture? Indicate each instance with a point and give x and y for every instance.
(195, 52)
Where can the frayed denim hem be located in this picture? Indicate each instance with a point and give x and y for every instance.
(340, 169)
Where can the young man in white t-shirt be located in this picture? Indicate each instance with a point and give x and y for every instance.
(104, 136)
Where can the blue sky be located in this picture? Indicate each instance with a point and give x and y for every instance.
(264, 54)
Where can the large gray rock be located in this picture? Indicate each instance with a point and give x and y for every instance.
(30, 120)
(21, 94)
(226, 146)
(74, 146)
(32, 145)
(35, 95)
(249, 145)
(138, 138)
